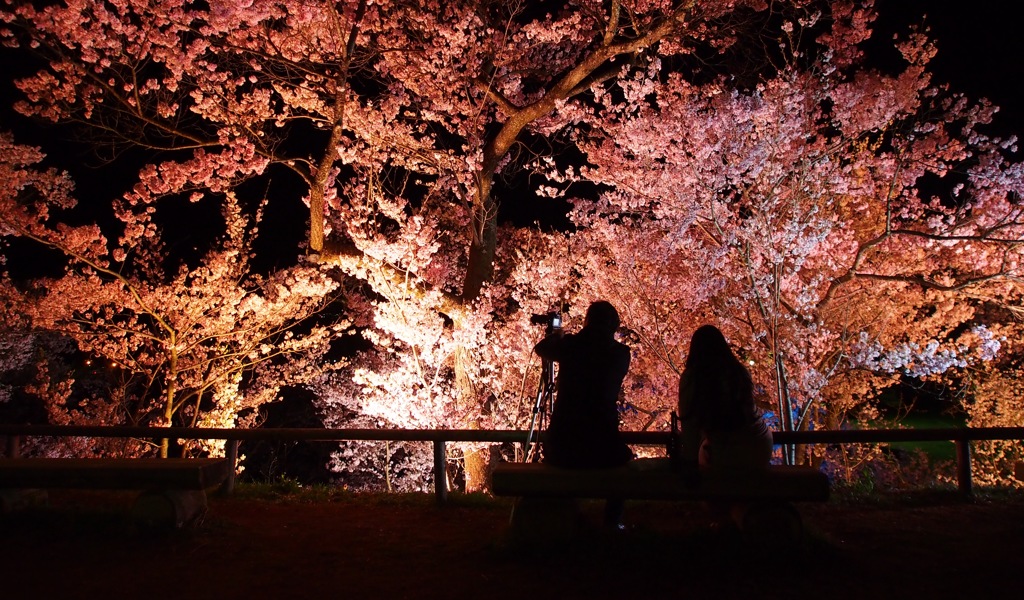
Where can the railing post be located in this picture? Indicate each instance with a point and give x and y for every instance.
(231, 456)
(440, 473)
(963, 466)
(13, 446)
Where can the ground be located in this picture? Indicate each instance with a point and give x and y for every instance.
(269, 545)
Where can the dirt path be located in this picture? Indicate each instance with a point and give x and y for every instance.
(405, 547)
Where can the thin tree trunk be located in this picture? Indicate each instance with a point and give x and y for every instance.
(785, 408)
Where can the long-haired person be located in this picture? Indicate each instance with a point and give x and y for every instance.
(720, 427)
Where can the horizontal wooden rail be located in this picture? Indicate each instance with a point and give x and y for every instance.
(439, 437)
(648, 438)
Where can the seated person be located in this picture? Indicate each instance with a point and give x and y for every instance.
(719, 424)
(584, 428)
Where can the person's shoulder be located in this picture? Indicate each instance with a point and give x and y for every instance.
(742, 371)
(551, 343)
(622, 351)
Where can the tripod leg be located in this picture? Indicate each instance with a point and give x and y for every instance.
(542, 406)
(537, 418)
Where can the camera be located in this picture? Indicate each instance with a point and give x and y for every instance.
(553, 320)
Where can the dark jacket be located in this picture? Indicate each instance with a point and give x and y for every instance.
(584, 428)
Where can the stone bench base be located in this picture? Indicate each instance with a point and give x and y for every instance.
(759, 503)
(173, 490)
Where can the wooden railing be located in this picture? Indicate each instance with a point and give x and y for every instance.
(962, 437)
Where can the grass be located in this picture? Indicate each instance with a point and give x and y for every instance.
(936, 451)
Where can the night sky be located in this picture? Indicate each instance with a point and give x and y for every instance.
(980, 52)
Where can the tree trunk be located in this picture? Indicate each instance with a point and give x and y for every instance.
(477, 470)
(482, 251)
(785, 409)
(316, 220)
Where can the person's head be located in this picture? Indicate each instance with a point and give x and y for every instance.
(708, 345)
(602, 318)
(722, 389)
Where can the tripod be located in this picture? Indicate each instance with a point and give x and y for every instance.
(541, 408)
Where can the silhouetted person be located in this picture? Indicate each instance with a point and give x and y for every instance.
(584, 427)
(719, 425)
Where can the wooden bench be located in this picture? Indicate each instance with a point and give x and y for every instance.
(173, 489)
(760, 501)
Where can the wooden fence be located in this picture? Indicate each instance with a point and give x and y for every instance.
(962, 437)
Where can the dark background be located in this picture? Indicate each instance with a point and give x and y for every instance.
(979, 47)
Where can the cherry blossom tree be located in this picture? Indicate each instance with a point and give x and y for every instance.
(993, 399)
(406, 112)
(846, 226)
(429, 98)
(191, 345)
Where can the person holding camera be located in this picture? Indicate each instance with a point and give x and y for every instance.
(584, 429)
